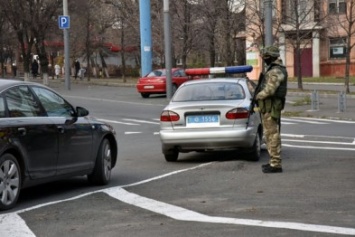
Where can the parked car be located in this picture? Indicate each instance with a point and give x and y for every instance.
(211, 115)
(44, 138)
(155, 81)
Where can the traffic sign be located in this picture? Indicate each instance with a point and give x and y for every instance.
(64, 22)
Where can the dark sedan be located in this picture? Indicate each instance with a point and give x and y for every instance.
(44, 138)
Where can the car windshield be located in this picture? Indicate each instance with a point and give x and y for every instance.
(157, 73)
(209, 91)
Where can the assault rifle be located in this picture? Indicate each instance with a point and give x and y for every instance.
(253, 101)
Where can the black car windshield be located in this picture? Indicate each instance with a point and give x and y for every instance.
(209, 91)
(157, 73)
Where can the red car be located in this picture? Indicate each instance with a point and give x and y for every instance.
(155, 81)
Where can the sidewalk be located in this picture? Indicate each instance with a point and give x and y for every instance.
(298, 104)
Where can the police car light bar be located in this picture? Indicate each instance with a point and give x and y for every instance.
(219, 70)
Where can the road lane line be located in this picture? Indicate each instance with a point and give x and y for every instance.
(182, 214)
(140, 121)
(115, 121)
(319, 148)
(319, 142)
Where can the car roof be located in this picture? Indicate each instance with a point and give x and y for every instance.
(6, 83)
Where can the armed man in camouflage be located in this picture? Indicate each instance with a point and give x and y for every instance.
(271, 101)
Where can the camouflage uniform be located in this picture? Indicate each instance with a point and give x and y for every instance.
(271, 100)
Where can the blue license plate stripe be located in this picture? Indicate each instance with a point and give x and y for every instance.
(203, 119)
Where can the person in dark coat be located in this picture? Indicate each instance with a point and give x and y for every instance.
(34, 68)
(77, 68)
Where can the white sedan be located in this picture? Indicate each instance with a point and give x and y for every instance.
(211, 115)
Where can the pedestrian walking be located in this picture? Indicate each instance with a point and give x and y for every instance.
(77, 68)
(57, 70)
(34, 68)
(271, 101)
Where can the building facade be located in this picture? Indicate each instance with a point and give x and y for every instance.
(320, 29)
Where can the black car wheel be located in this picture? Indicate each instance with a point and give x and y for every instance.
(171, 156)
(102, 171)
(255, 152)
(145, 95)
(10, 181)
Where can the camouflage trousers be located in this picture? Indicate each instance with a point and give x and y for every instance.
(272, 139)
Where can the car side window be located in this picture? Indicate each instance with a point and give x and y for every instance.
(21, 102)
(54, 105)
(2, 108)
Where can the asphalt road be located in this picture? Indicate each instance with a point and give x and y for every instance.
(213, 194)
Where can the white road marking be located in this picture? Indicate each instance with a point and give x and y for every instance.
(141, 121)
(115, 121)
(12, 225)
(183, 214)
(114, 101)
(319, 142)
(302, 121)
(292, 135)
(128, 133)
(325, 120)
(319, 148)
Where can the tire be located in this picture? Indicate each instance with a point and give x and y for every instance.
(102, 170)
(255, 152)
(145, 95)
(171, 156)
(10, 181)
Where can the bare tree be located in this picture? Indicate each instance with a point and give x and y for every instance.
(300, 18)
(31, 21)
(341, 22)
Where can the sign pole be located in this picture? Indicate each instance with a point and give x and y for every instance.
(66, 48)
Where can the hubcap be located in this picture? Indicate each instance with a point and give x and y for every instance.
(107, 161)
(9, 182)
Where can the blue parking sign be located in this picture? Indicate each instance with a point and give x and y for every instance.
(64, 22)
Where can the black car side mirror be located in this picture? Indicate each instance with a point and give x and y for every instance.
(81, 112)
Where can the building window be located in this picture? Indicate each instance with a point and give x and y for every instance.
(337, 6)
(337, 48)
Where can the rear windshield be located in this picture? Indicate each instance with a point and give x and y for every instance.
(157, 73)
(209, 91)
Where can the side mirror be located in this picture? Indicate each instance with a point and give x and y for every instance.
(81, 112)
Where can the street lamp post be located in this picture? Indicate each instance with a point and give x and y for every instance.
(167, 43)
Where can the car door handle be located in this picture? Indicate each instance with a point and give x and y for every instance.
(22, 131)
(60, 129)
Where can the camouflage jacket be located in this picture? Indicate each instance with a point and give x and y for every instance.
(274, 76)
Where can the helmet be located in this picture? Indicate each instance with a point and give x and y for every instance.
(271, 51)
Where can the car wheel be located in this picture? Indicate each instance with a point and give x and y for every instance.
(255, 153)
(145, 95)
(174, 88)
(171, 156)
(102, 170)
(10, 181)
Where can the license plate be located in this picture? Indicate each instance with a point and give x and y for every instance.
(148, 87)
(202, 120)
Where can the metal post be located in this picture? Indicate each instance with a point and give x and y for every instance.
(341, 102)
(315, 100)
(167, 43)
(66, 48)
(268, 22)
(146, 37)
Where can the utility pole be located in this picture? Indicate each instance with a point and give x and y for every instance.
(66, 48)
(268, 22)
(167, 43)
